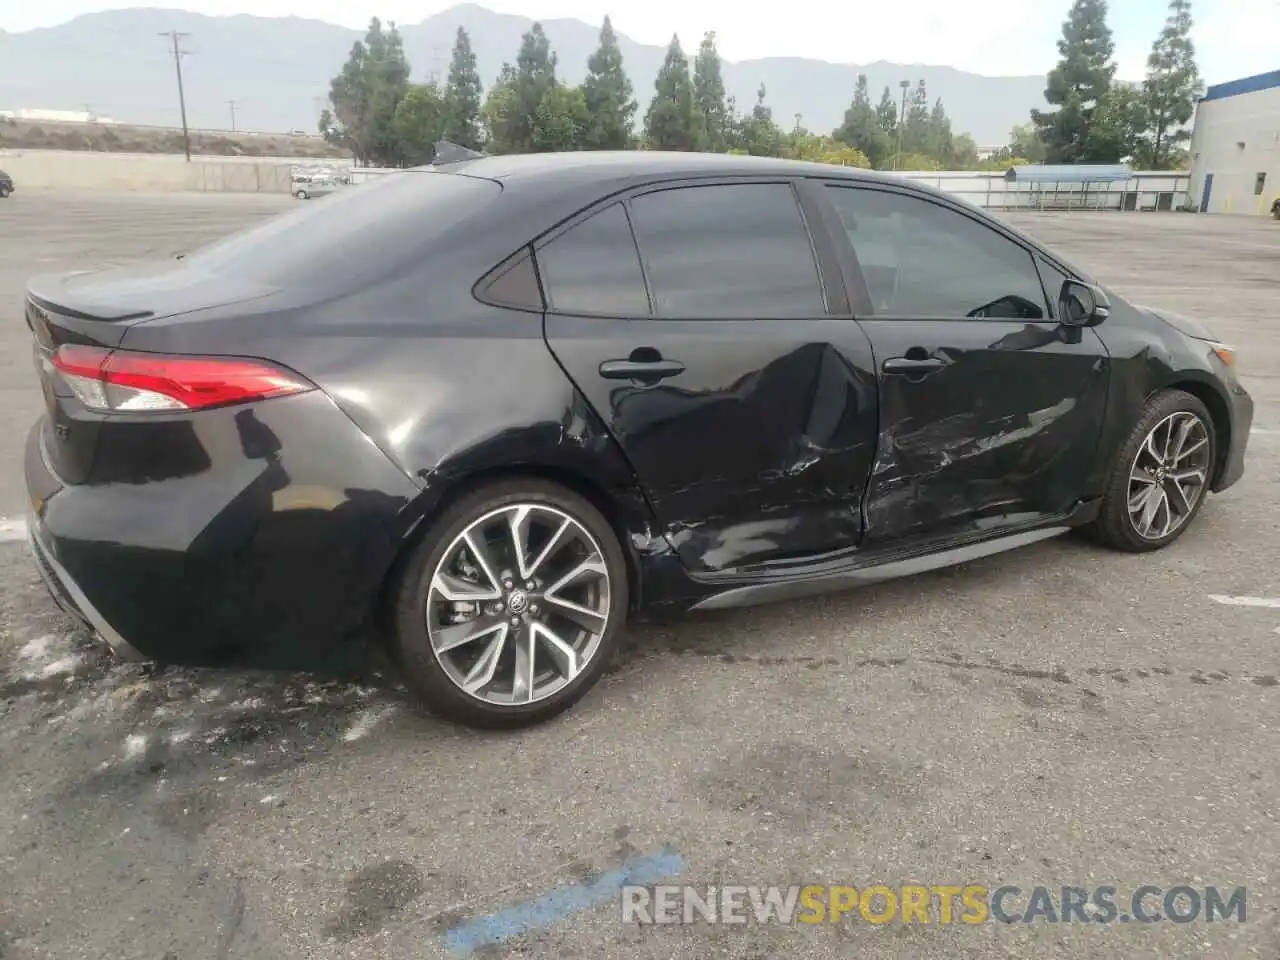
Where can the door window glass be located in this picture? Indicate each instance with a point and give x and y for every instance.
(728, 251)
(921, 259)
(592, 268)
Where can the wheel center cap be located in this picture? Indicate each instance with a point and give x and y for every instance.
(517, 601)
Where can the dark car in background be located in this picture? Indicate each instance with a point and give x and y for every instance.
(6, 185)
(493, 409)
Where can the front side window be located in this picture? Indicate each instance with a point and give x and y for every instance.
(727, 251)
(592, 268)
(923, 260)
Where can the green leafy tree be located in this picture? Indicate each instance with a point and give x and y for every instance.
(462, 95)
(669, 123)
(761, 135)
(1078, 84)
(1118, 125)
(964, 153)
(533, 77)
(365, 94)
(1170, 92)
(710, 106)
(562, 120)
(420, 120)
(1025, 144)
(861, 128)
(607, 93)
(887, 114)
(500, 113)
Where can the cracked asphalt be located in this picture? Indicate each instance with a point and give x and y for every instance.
(1056, 716)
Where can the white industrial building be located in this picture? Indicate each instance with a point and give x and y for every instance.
(1235, 146)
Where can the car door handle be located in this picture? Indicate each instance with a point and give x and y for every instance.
(909, 366)
(640, 369)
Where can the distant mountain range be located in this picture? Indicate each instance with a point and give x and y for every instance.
(277, 70)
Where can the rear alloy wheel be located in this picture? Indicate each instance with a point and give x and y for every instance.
(301, 195)
(4, 192)
(1161, 476)
(511, 609)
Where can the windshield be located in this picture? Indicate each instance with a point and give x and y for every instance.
(372, 223)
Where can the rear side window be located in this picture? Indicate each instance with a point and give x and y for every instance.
(350, 233)
(592, 268)
(727, 251)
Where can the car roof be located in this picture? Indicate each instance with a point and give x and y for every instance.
(598, 166)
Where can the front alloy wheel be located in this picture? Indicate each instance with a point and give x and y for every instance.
(1160, 475)
(510, 608)
(518, 604)
(1169, 475)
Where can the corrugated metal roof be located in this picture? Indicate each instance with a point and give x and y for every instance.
(1069, 173)
(1234, 88)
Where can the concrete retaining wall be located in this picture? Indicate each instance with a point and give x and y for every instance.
(82, 170)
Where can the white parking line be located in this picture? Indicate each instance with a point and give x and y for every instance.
(1272, 603)
(1263, 432)
(11, 530)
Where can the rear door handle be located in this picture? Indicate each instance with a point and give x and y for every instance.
(640, 369)
(907, 366)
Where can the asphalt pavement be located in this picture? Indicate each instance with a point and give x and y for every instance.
(1057, 716)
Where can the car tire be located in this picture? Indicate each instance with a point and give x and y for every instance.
(4, 193)
(1124, 522)
(443, 578)
(302, 195)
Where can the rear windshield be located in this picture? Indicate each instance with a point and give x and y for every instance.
(371, 224)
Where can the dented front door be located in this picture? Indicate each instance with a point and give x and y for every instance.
(997, 422)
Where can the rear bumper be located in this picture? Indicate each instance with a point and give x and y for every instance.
(252, 536)
(70, 598)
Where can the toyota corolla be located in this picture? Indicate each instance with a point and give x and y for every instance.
(492, 410)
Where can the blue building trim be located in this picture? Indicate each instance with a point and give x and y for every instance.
(1234, 88)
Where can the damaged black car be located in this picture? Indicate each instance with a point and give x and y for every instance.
(493, 409)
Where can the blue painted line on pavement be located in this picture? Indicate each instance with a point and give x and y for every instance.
(561, 902)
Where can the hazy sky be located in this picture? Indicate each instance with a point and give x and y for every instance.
(1234, 38)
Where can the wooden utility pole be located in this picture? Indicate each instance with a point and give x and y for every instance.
(178, 53)
(232, 105)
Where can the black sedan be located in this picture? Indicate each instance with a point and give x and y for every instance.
(6, 185)
(491, 410)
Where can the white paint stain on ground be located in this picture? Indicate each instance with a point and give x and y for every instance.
(1271, 603)
(12, 530)
(135, 745)
(365, 722)
(48, 656)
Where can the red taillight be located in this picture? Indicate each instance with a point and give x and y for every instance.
(107, 380)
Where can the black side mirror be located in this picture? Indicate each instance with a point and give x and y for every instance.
(1082, 304)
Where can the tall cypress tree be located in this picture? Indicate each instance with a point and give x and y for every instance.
(535, 77)
(887, 114)
(1078, 84)
(669, 123)
(1171, 89)
(462, 93)
(861, 128)
(610, 106)
(710, 108)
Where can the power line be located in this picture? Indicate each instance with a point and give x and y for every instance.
(178, 53)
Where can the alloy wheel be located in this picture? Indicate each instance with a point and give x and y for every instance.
(518, 604)
(1169, 475)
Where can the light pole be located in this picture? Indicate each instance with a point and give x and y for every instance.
(902, 122)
